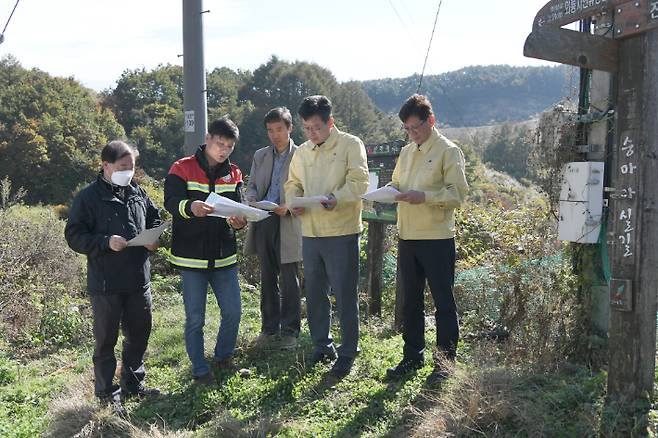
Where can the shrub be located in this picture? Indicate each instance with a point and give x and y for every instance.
(515, 282)
(41, 290)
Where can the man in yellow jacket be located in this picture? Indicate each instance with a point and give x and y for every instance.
(431, 179)
(331, 164)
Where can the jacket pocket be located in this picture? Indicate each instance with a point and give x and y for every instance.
(427, 217)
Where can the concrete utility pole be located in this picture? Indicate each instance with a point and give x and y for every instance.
(194, 76)
(631, 55)
(599, 142)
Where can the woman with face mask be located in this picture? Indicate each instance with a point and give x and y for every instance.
(104, 216)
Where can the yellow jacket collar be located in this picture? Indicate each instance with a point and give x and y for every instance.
(330, 142)
(431, 141)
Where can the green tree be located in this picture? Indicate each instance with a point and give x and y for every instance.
(508, 150)
(223, 85)
(281, 83)
(51, 132)
(149, 105)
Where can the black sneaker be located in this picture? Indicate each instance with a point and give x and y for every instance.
(113, 401)
(405, 366)
(141, 392)
(323, 357)
(342, 367)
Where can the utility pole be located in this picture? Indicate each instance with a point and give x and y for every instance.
(194, 76)
(634, 220)
(631, 55)
(599, 141)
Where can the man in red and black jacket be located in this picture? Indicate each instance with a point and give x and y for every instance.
(203, 247)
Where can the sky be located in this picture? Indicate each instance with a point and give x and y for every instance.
(95, 41)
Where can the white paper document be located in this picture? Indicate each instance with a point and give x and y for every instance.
(384, 194)
(373, 179)
(150, 236)
(308, 201)
(225, 207)
(264, 205)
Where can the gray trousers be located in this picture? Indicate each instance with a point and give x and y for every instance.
(332, 261)
(279, 283)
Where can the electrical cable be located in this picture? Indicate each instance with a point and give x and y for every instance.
(429, 46)
(454, 106)
(9, 19)
(406, 28)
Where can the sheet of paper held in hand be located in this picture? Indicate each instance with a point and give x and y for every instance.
(308, 201)
(264, 205)
(150, 236)
(225, 207)
(384, 194)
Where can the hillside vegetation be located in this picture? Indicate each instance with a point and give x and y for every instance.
(480, 95)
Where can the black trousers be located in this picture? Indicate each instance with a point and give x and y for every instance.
(131, 312)
(434, 261)
(280, 297)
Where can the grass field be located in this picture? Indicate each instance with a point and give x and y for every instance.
(278, 394)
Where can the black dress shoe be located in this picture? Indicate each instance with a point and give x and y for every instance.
(405, 366)
(323, 357)
(342, 367)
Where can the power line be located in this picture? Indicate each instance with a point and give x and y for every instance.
(404, 5)
(396, 13)
(9, 19)
(422, 73)
(406, 28)
(454, 106)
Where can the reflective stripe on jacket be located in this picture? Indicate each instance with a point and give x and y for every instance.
(201, 242)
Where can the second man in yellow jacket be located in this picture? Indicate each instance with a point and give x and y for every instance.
(332, 164)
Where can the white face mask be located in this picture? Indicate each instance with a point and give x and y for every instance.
(122, 177)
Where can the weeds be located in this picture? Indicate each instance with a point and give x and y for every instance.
(41, 292)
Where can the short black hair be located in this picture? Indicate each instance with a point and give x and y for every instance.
(417, 105)
(278, 114)
(116, 150)
(315, 106)
(224, 127)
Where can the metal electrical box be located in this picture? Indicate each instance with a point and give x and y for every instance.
(581, 202)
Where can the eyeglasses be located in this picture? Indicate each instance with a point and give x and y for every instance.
(313, 129)
(413, 129)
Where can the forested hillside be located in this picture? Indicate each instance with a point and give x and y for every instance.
(51, 129)
(480, 95)
(50, 132)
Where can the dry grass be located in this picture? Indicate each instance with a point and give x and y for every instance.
(471, 404)
(227, 426)
(485, 399)
(77, 414)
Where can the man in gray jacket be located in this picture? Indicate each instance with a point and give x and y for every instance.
(276, 240)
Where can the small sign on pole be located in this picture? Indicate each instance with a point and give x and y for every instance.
(189, 121)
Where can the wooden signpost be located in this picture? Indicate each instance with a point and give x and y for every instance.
(630, 52)
(381, 162)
